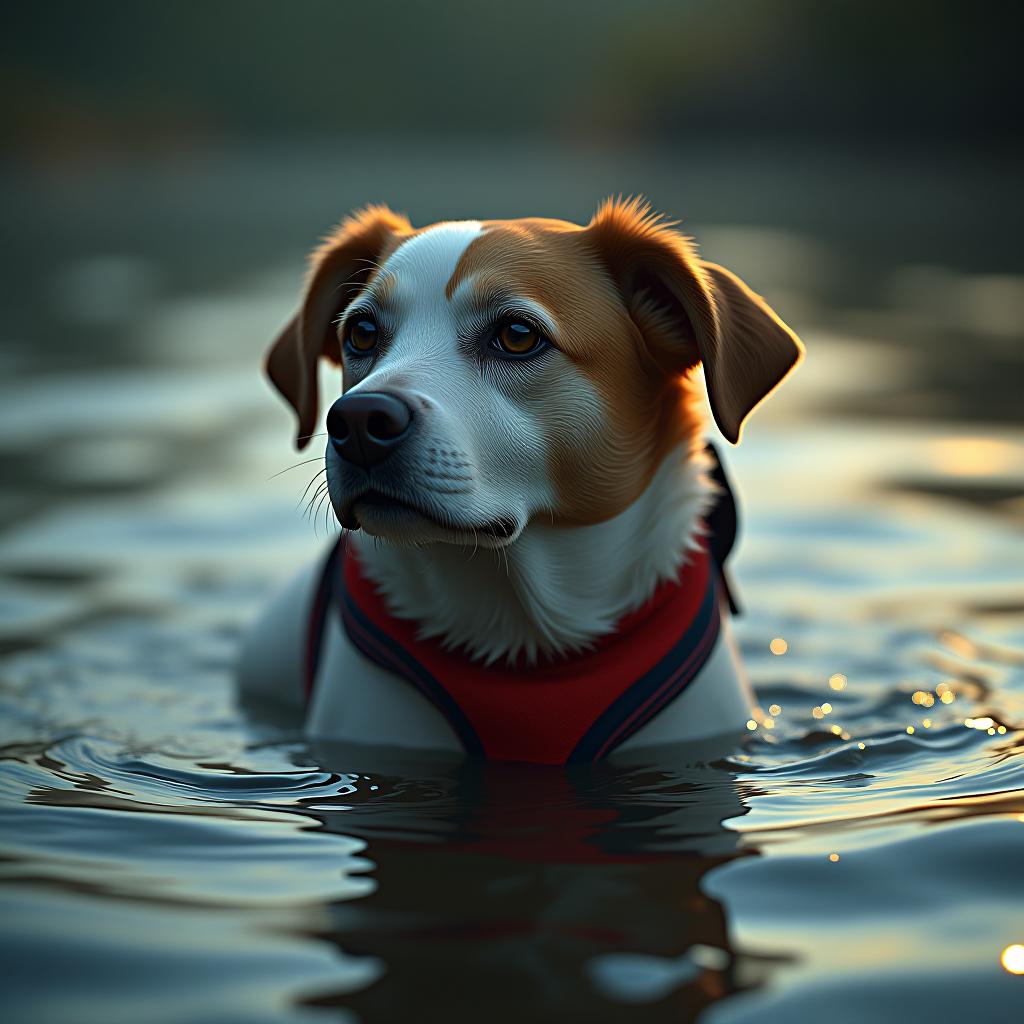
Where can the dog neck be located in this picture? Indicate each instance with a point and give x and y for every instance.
(555, 589)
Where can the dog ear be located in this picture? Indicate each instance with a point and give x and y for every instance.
(689, 311)
(338, 270)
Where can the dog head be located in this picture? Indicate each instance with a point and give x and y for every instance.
(501, 372)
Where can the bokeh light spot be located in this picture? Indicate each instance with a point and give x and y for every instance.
(1013, 958)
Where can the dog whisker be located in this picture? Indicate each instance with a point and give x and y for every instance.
(316, 494)
(310, 484)
(315, 517)
(296, 466)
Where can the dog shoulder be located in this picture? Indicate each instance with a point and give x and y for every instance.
(355, 700)
(272, 659)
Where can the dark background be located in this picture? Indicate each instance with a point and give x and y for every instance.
(89, 78)
(859, 163)
(217, 135)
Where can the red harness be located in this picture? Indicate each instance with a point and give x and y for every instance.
(559, 710)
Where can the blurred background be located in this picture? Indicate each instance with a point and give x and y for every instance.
(167, 166)
(165, 169)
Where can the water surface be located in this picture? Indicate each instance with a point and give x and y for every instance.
(167, 858)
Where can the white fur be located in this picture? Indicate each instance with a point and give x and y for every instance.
(555, 589)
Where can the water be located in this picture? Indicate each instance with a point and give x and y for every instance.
(167, 858)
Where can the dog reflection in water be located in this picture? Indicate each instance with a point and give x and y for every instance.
(523, 892)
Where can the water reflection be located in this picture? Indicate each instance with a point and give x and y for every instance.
(439, 883)
(578, 890)
(325, 877)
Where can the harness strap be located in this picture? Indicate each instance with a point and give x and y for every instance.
(380, 648)
(659, 687)
(722, 520)
(323, 601)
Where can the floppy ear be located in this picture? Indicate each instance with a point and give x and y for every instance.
(689, 311)
(338, 271)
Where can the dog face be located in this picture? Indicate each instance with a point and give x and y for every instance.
(501, 372)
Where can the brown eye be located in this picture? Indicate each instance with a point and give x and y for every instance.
(362, 335)
(518, 339)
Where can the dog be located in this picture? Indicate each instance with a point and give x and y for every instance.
(534, 530)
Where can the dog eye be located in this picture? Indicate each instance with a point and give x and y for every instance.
(518, 339)
(362, 335)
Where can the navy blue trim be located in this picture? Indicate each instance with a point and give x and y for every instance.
(322, 599)
(722, 520)
(374, 644)
(657, 687)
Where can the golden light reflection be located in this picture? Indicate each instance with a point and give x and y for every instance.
(833, 857)
(926, 722)
(837, 729)
(948, 697)
(979, 723)
(861, 746)
(1013, 958)
(827, 708)
(922, 697)
(972, 456)
(910, 730)
(958, 644)
(1001, 729)
(751, 724)
(817, 713)
(768, 722)
(778, 646)
(838, 681)
(775, 710)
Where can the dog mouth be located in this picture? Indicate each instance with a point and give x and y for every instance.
(387, 516)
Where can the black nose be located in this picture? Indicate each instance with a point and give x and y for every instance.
(366, 427)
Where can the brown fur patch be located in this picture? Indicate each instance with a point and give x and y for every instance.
(649, 408)
(689, 310)
(339, 268)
